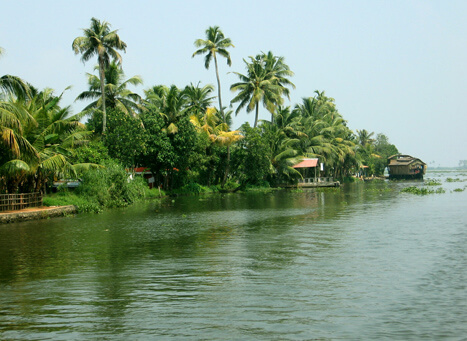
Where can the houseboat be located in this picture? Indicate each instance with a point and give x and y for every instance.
(405, 167)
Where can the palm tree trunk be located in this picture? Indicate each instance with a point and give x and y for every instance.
(227, 167)
(102, 79)
(219, 89)
(256, 115)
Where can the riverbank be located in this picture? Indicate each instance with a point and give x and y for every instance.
(35, 213)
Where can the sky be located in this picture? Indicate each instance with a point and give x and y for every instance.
(393, 67)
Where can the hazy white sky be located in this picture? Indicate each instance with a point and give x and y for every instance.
(393, 67)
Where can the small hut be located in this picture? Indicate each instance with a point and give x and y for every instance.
(308, 168)
(405, 167)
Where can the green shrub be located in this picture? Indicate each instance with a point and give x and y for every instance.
(231, 185)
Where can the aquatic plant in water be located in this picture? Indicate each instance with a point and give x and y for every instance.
(432, 182)
(422, 190)
(454, 180)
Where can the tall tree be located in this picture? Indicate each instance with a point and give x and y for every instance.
(99, 40)
(215, 43)
(170, 103)
(117, 95)
(265, 81)
(198, 99)
(365, 137)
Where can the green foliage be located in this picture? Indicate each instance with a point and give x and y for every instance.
(93, 152)
(111, 187)
(193, 188)
(215, 44)
(454, 180)
(37, 139)
(251, 157)
(98, 40)
(117, 95)
(432, 182)
(63, 198)
(262, 187)
(266, 81)
(169, 156)
(422, 190)
(125, 138)
(230, 186)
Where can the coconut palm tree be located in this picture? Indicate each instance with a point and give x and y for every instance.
(365, 137)
(265, 82)
(170, 103)
(255, 87)
(117, 95)
(99, 40)
(199, 99)
(214, 44)
(15, 86)
(40, 141)
(279, 71)
(327, 135)
(12, 85)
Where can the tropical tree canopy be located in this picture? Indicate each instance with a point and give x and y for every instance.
(265, 81)
(170, 103)
(98, 40)
(214, 44)
(199, 99)
(39, 137)
(117, 95)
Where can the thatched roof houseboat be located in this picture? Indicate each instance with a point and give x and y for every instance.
(405, 167)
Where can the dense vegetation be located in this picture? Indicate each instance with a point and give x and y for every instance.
(177, 133)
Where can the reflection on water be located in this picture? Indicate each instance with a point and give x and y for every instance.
(364, 261)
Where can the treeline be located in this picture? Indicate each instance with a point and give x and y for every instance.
(177, 133)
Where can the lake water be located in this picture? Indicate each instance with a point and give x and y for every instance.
(362, 262)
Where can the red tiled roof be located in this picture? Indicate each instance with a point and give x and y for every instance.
(141, 169)
(307, 163)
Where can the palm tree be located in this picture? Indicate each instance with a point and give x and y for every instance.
(265, 82)
(365, 137)
(199, 98)
(279, 71)
(99, 40)
(215, 43)
(116, 93)
(253, 88)
(40, 137)
(284, 143)
(327, 135)
(12, 85)
(170, 103)
(289, 121)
